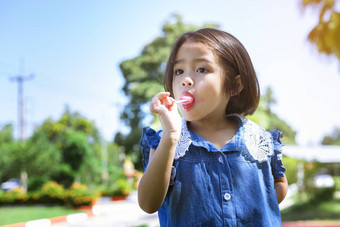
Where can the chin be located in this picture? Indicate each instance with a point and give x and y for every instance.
(189, 117)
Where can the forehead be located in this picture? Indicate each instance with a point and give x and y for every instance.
(198, 51)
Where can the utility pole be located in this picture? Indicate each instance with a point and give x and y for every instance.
(20, 79)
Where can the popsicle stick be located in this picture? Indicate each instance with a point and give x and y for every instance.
(181, 101)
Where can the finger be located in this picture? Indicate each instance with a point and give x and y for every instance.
(171, 103)
(162, 95)
(168, 102)
(159, 102)
(159, 97)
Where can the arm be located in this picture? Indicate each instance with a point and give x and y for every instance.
(281, 187)
(154, 184)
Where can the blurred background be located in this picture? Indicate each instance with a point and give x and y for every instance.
(76, 78)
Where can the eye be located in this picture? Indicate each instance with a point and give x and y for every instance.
(178, 71)
(202, 70)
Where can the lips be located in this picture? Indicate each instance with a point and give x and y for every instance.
(190, 100)
(186, 99)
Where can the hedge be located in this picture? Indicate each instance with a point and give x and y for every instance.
(51, 193)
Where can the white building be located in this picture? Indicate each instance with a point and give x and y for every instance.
(322, 153)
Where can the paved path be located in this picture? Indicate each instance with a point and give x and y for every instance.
(119, 213)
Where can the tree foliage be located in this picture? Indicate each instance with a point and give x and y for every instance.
(65, 150)
(265, 117)
(7, 147)
(6, 134)
(333, 138)
(43, 158)
(143, 79)
(326, 34)
(77, 140)
(35, 157)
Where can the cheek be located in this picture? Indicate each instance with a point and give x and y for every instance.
(175, 88)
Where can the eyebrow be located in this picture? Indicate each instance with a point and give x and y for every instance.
(195, 60)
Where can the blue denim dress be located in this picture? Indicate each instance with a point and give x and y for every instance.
(233, 186)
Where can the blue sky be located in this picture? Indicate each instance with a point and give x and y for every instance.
(74, 49)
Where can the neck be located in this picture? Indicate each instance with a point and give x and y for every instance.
(215, 124)
(218, 132)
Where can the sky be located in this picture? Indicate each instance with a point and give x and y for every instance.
(74, 49)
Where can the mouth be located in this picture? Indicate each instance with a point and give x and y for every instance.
(188, 100)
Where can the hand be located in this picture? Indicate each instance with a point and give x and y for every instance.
(164, 106)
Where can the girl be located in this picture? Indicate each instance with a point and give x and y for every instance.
(214, 167)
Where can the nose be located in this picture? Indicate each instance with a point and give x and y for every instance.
(187, 82)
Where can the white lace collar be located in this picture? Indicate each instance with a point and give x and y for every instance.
(184, 141)
(256, 140)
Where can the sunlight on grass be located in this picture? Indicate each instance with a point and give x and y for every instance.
(11, 215)
(327, 210)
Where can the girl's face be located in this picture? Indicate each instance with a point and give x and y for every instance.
(199, 74)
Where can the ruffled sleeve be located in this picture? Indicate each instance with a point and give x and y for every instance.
(276, 160)
(150, 139)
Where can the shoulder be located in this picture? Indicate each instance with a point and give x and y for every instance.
(150, 138)
(253, 129)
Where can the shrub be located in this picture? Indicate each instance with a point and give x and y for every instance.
(291, 169)
(35, 197)
(64, 175)
(52, 193)
(35, 183)
(16, 196)
(78, 196)
(318, 195)
(337, 183)
(322, 191)
(120, 188)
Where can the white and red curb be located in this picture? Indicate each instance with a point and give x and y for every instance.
(47, 222)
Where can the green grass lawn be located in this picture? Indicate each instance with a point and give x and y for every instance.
(17, 214)
(325, 211)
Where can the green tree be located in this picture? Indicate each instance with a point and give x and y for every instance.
(265, 117)
(9, 169)
(6, 147)
(75, 149)
(65, 150)
(6, 134)
(326, 34)
(268, 100)
(78, 141)
(40, 160)
(114, 164)
(333, 138)
(36, 158)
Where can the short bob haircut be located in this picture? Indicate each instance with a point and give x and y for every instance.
(235, 60)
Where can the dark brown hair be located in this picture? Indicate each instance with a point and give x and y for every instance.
(235, 60)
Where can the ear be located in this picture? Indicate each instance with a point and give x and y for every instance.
(238, 85)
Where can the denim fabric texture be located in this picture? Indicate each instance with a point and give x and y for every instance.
(227, 187)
